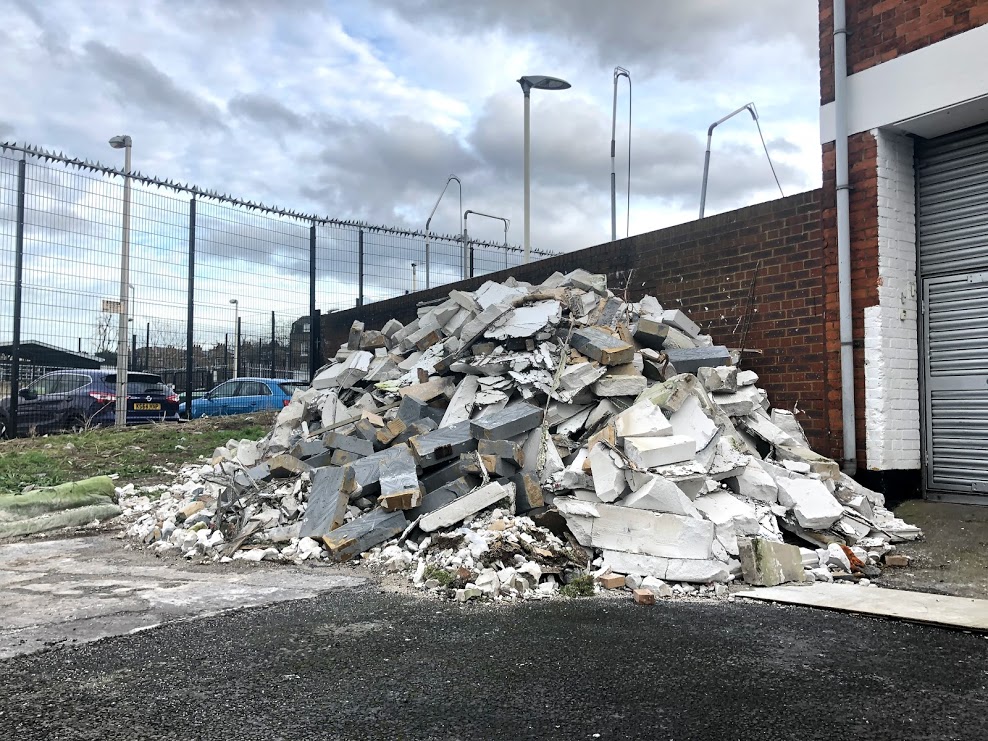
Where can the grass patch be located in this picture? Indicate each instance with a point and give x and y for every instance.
(442, 576)
(579, 586)
(135, 453)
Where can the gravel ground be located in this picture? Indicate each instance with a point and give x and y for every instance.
(369, 663)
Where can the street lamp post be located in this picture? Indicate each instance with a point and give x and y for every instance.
(414, 279)
(236, 337)
(750, 107)
(123, 354)
(451, 178)
(466, 237)
(540, 82)
(619, 72)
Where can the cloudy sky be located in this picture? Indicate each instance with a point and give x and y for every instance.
(360, 109)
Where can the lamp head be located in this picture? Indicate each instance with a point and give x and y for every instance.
(233, 301)
(121, 142)
(542, 82)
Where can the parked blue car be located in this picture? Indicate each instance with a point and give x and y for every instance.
(78, 399)
(244, 395)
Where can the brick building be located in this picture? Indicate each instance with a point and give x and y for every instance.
(916, 119)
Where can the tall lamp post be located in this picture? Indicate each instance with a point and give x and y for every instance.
(236, 337)
(451, 178)
(123, 354)
(619, 72)
(540, 82)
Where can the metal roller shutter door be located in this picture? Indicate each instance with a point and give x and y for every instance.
(952, 189)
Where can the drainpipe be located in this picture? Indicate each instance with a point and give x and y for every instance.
(850, 465)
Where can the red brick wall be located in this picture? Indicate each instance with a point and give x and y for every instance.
(706, 268)
(863, 179)
(880, 31)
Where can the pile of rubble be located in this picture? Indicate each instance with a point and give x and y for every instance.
(515, 439)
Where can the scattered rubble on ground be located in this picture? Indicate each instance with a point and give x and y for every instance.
(521, 440)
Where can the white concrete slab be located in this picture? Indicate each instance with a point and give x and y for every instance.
(919, 607)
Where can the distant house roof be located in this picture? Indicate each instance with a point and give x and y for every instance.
(49, 356)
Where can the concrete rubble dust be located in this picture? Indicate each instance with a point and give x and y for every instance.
(522, 440)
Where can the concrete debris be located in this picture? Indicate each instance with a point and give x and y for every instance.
(522, 441)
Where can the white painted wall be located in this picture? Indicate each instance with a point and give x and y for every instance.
(947, 82)
(892, 416)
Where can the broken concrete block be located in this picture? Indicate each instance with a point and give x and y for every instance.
(356, 331)
(660, 495)
(443, 444)
(400, 487)
(670, 395)
(755, 483)
(747, 378)
(761, 426)
(390, 327)
(525, 321)
(513, 420)
(356, 445)
(650, 452)
(723, 508)
(426, 392)
(491, 293)
(444, 495)
(690, 360)
(620, 380)
(421, 427)
(528, 492)
(741, 402)
(609, 481)
(387, 435)
(363, 533)
(679, 320)
(284, 465)
(787, 422)
(810, 500)
(341, 458)
(462, 403)
(456, 511)
(605, 348)
(584, 280)
(641, 531)
(412, 410)
(304, 449)
(722, 378)
(701, 571)
(690, 420)
(826, 467)
(506, 449)
(651, 333)
(578, 376)
(328, 498)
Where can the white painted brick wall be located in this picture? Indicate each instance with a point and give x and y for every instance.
(891, 350)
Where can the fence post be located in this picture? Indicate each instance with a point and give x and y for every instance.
(15, 360)
(237, 348)
(189, 348)
(313, 314)
(471, 259)
(360, 268)
(147, 348)
(272, 344)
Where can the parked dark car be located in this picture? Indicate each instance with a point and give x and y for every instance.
(243, 395)
(77, 399)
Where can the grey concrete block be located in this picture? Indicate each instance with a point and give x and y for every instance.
(412, 409)
(514, 419)
(444, 495)
(364, 533)
(399, 481)
(605, 348)
(507, 449)
(356, 331)
(328, 499)
(528, 492)
(351, 444)
(443, 444)
(284, 465)
(692, 359)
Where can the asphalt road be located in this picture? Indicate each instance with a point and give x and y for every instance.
(365, 664)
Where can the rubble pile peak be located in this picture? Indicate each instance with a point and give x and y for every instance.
(514, 438)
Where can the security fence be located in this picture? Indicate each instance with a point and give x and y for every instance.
(218, 286)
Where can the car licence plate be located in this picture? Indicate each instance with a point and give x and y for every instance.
(147, 407)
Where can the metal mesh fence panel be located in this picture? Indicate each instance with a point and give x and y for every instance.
(249, 277)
